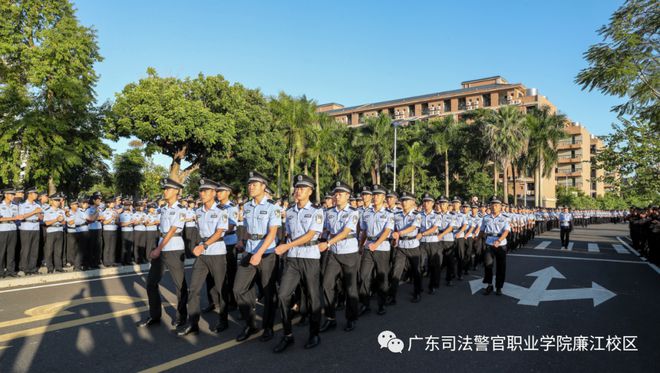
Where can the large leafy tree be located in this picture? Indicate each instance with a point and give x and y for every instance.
(49, 127)
(374, 144)
(414, 165)
(183, 119)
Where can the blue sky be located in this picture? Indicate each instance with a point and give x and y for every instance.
(355, 52)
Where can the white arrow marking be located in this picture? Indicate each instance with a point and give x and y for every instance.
(570, 246)
(543, 245)
(543, 277)
(620, 249)
(593, 247)
(598, 293)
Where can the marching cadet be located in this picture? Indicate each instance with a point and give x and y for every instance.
(459, 224)
(222, 194)
(8, 233)
(328, 202)
(469, 237)
(304, 224)
(406, 234)
(126, 222)
(429, 243)
(153, 220)
(565, 227)
(446, 237)
(477, 243)
(109, 219)
(343, 259)
(366, 195)
(94, 239)
(376, 226)
(28, 215)
(169, 254)
(54, 220)
(261, 220)
(139, 232)
(75, 221)
(42, 200)
(211, 256)
(354, 201)
(190, 230)
(495, 227)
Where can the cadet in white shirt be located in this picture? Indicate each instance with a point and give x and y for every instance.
(495, 227)
(139, 232)
(109, 219)
(28, 215)
(126, 223)
(169, 254)
(565, 227)
(406, 233)
(54, 219)
(8, 233)
(429, 243)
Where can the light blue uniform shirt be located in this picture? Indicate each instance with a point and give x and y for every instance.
(31, 223)
(231, 238)
(565, 219)
(53, 214)
(494, 227)
(336, 221)
(190, 214)
(8, 211)
(299, 221)
(153, 218)
(109, 214)
(445, 221)
(126, 217)
(429, 220)
(373, 223)
(173, 216)
(140, 217)
(458, 220)
(257, 219)
(208, 222)
(403, 221)
(90, 212)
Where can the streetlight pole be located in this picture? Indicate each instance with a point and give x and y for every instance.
(395, 127)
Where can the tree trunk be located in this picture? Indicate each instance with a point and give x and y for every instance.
(373, 175)
(290, 178)
(51, 185)
(447, 174)
(494, 178)
(378, 173)
(515, 195)
(540, 176)
(412, 181)
(316, 176)
(505, 181)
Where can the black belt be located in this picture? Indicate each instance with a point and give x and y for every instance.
(407, 238)
(230, 233)
(310, 243)
(351, 235)
(255, 237)
(178, 234)
(373, 239)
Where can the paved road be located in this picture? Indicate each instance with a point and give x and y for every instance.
(89, 324)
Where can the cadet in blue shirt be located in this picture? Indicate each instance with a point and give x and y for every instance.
(565, 227)
(8, 235)
(109, 218)
(495, 227)
(460, 223)
(169, 254)
(430, 243)
(343, 259)
(54, 219)
(211, 256)
(406, 233)
(376, 226)
(28, 215)
(446, 237)
(304, 224)
(261, 220)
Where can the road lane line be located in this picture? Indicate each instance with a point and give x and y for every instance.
(630, 248)
(576, 258)
(570, 246)
(543, 245)
(593, 247)
(620, 249)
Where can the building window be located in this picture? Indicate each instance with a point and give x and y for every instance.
(390, 112)
(447, 104)
(425, 108)
(461, 103)
(486, 99)
(411, 110)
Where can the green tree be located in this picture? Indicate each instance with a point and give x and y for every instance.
(152, 174)
(442, 133)
(129, 167)
(49, 127)
(375, 145)
(414, 165)
(183, 119)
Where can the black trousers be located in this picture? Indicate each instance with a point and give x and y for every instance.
(73, 245)
(8, 241)
(307, 273)
(564, 235)
(139, 245)
(449, 258)
(109, 247)
(245, 289)
(29, 250)
(412, 258)
(461, 257)
(152, 243)
(433, 252)
(190, 239)
(53, 250)
(94, 241)
(127, 247)
(477, 249)
(345, 266)
(212, 293)
(498, 256)
(206, 265)
(380, 261)
(173, 262)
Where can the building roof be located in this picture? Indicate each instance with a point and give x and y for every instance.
(454, 92)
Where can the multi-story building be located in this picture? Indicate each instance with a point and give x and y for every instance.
(576, 152)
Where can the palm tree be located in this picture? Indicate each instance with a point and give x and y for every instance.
(506, 133)
(375, 145)
(415, 161)
(545, 131)
(441, 134)
(324, 147)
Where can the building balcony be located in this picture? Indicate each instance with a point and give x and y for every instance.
(569, 160)
(568, 145)
(576, 173)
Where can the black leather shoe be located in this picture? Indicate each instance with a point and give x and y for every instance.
(489, 289)
(313, 341)
(350, 325)
(267, 335)
(246, 333)
(222, 326)
(177, 323)
(327, 325)
(431, 291)
(285, 342)
(209, 308)
(381, 310)
(416, 298)
(302, 321)
(190, 329)
(498, 291)
(364, 310)
(148, 322)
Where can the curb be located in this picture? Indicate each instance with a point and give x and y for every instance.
(12, 282)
